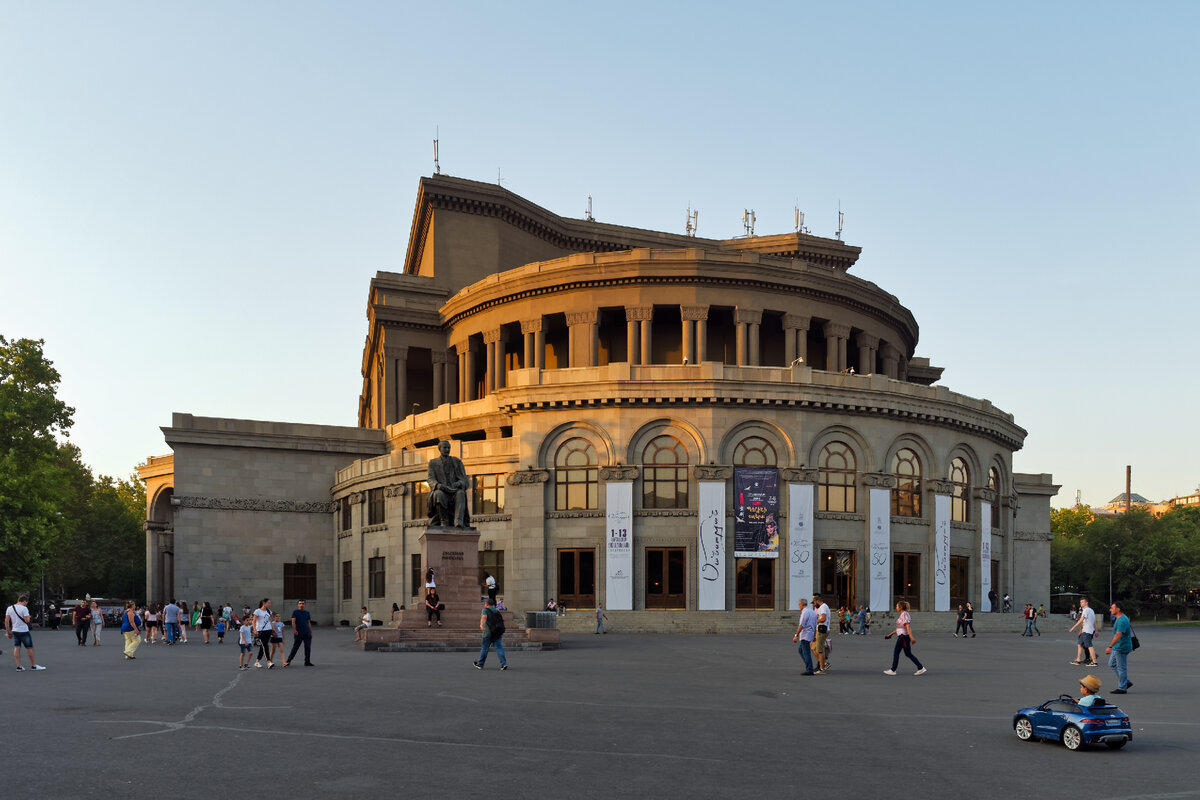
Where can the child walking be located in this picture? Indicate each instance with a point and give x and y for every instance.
(221, 631)
(245, 644)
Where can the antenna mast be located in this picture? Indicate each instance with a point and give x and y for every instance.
(437, 169)
(589, 217)
(841, 221)
(693, 221)
(748, 221)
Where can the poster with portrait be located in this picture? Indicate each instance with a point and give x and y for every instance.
(756, 512)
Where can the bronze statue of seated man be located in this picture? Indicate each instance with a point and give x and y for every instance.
(448, 486)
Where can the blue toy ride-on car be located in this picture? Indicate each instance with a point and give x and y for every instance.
(1064, 720)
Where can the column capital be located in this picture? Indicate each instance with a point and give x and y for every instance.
(697, 313)
(803, 475)
(531, 325)
(836, 330)
(492, 336)
(879, 480)
(796, 322)
(583, 317)
(461, 346)
(752, 316)
(940, 486)
(637, 313)
(440, 357)
(620, 472)
(527, 476)
(712, 472)
(889, 351)
(986, 495)
(867, 340)
(395, 351)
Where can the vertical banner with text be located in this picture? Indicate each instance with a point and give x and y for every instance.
(618, 554)
(881, 549)
(985, 555)
(755, 512)
(941, 552)
(800, 542)
(712, 546)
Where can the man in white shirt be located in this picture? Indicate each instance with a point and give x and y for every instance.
(1087, 625)
(823, 619)
(262, 632)
(16, 627)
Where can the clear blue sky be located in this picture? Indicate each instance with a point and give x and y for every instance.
(194, 196)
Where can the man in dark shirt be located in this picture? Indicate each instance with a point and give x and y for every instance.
(301, 632)
(82, 615)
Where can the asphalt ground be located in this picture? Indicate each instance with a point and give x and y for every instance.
(605, 716)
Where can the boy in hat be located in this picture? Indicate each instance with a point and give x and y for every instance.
(1088, 686)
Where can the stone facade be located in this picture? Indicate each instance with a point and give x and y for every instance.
(578, 367)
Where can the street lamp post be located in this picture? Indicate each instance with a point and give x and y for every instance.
(1110, 548)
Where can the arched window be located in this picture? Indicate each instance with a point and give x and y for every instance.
(754, 451)
(576, 476)
(664, 473)
(960, 501)
(906, 497)
(994, 485)
(835, 489)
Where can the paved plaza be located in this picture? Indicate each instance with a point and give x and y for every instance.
(606, 716)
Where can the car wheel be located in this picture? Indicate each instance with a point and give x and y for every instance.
(1024, 729)
(1116, 745)
(1071, 737)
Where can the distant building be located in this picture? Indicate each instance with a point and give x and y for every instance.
(652, 421)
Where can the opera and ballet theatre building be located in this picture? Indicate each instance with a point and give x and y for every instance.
(650, 420)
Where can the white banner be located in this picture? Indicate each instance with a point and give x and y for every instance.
(941, 552)
(712, 546)
(985, 555)
(618, 555)
(800, 543)
(881, 550)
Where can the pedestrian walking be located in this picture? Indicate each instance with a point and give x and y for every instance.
(206, 621)
(1085, 651)
(806, 633)
(969, 620)
(489, 583)
(1120, 647)
(245, 643)
(904, 639)
(600, 617)
(131, 629)
(16, 627)
(262, 632)
(491, 623)
(301, 633)
(81, 615)
(97, 623)
(959, 623)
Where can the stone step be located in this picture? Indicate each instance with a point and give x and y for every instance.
(776, 622)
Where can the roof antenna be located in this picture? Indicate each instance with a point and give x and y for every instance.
(693, 220)
(748, 221)
(437, 169)
(841, 221)
(590, 218)
(800, 220)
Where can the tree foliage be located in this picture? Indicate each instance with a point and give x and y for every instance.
(33, 483)
(1151, 557)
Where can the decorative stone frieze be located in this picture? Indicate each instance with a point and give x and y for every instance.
(836, 330)
(619, 472)
(879, 480)
(840, 515)
(377, 528)
(441, 357)
(803, 475)
(356, 497)
(531, 325)
(751, 316)
(492, 336)
(711, 472)
(639, 313)
(527, 476)
(693, 312)
(1032, 536)
(591, 513)
(397, 490)
(899, 520)
(256, 504)
(940, 487)
(665, 512)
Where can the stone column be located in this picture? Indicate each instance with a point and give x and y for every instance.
(377, 400)
(638, 318)
(795, 338)
(695, 323)
(891, 360)
(867, 344)
(469, 379)
(835, 346)
(489, 366)
(582, 334)
(439, 359)
(530, 328)
(501, 362)
(539, 347)
(395, 360)
(753, 334)
(747, 321)
(460, 350)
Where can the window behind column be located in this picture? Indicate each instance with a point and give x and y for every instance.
(906, 497)
(576, 476)
(838, 468)
(664, 473)
(960, 500)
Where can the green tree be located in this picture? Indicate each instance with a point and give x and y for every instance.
(33, 483)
